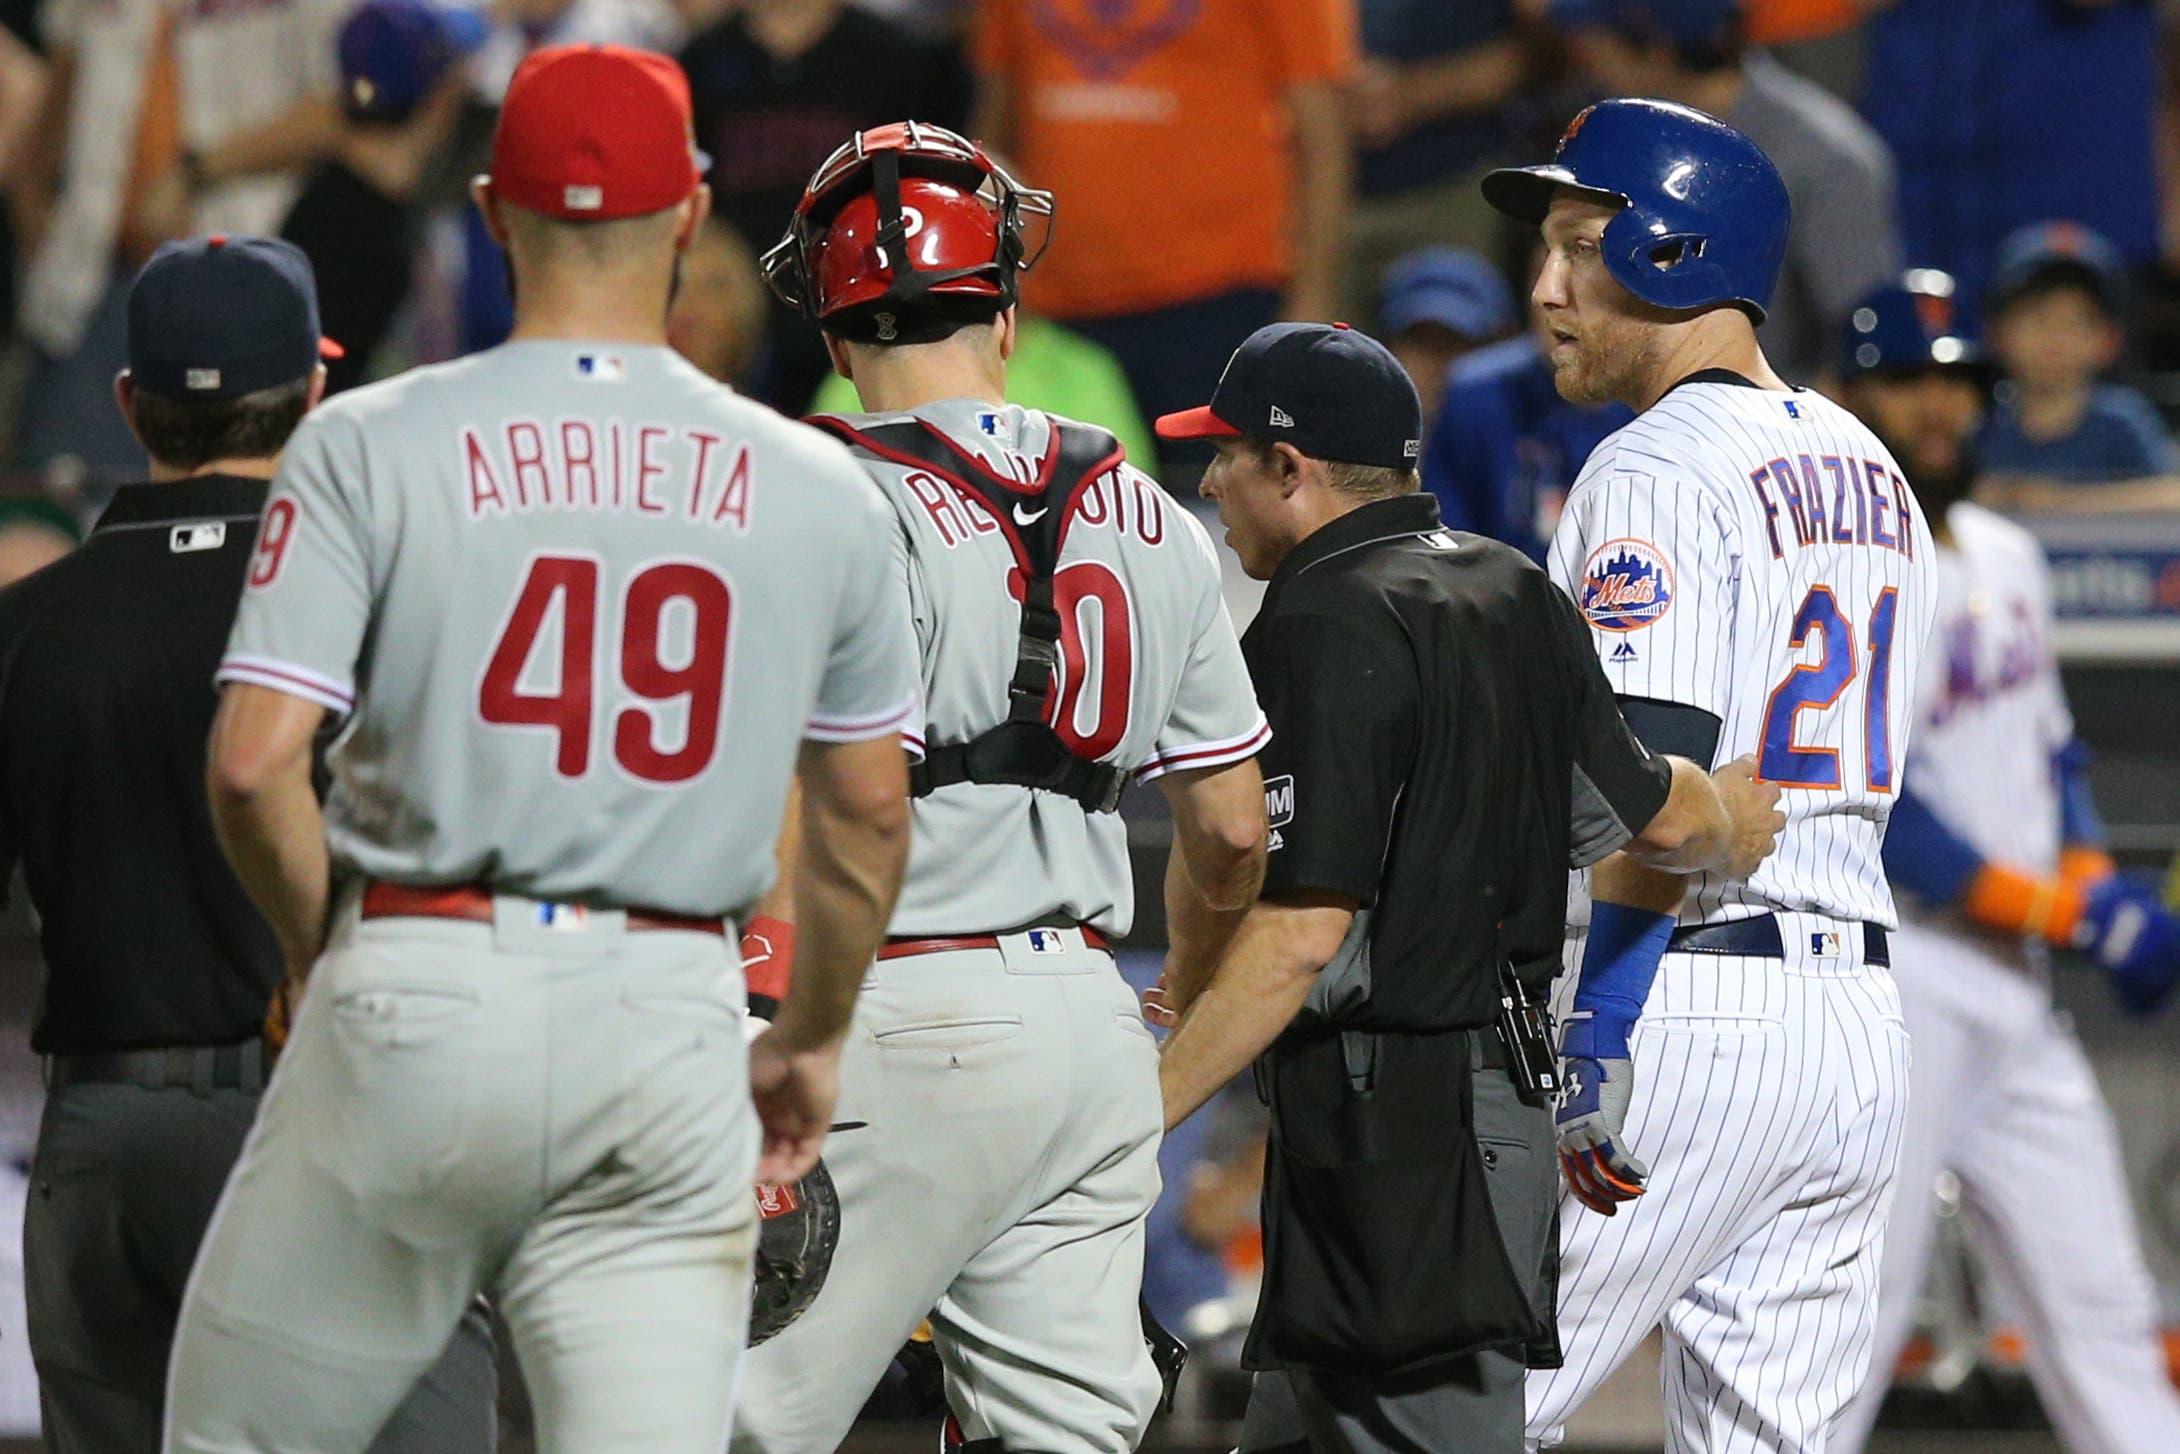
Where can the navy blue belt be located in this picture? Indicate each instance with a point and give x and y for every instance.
(1759, 938)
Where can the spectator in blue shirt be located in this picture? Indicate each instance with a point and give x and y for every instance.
(1506, 448)
(1437, 304)
(2054, 315)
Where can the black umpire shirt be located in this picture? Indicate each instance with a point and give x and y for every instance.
(1444, 748)
(106, 700)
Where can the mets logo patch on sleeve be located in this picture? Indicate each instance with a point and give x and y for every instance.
(1626, 585)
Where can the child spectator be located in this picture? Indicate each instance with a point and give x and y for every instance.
(1436, 304)
(2054, 320)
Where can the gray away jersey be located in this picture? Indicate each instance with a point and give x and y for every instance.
(1760, 556)
(579, 605)
(1152, 678)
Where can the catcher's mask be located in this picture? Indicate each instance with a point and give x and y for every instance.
(906, 233)
(798, 1226)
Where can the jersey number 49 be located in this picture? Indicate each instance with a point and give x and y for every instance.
(1816, 686)
(559, 596)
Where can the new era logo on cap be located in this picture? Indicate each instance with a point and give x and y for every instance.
(199, 380)
(1281, 419)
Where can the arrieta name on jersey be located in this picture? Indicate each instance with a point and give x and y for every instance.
(1760, 556)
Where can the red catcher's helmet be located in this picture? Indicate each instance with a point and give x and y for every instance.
(904, 234)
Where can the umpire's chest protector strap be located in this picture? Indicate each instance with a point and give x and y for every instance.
(1033, 517)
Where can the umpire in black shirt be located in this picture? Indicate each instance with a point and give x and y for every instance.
(1444, 748)
(158, 969)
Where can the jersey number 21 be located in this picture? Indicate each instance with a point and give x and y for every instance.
(1815, 686)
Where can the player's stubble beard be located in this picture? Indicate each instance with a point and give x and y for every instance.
(1612, 360)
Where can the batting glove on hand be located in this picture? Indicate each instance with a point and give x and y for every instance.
(1597, 1080)
(2134, 938)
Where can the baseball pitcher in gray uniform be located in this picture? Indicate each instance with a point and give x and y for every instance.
(576, 609)
(1000, 1114)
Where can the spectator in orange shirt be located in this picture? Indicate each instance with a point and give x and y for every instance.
(1203, 157)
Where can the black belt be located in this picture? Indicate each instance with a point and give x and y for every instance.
(1488, 1047)
(201, 1068)
(1759, 938)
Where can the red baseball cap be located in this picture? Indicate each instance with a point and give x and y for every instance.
(589, 133)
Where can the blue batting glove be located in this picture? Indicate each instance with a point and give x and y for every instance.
(2134, 938)
(1597, 1081)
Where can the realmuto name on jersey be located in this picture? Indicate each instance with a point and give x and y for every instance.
(633, 467)
(1832, 499)
(1127, 502)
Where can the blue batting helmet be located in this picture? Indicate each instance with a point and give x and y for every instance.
(1907, 326)
(1703, 217)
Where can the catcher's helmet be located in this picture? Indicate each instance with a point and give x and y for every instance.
(905, 233)
(1909, 326)
(1703, 217)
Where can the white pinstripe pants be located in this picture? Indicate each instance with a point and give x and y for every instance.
(2005, 1098)
(1769, 1099)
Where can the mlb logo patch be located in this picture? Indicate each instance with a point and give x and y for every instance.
(1793, 409)
(995, 424)
(568, 918)
(1627, 585)
(578, 198)
(1047, 941)
(605, 368)
(1824, 943)
(189, 538)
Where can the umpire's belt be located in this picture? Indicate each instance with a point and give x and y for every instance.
(382, 900)
(199, 1068)
(1759, 938)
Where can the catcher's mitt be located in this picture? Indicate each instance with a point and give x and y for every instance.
(798, 1227)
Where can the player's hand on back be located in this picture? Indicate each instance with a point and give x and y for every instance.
(2134, 938)
(1753, 808)
(1597, 1080)
(794, 1088)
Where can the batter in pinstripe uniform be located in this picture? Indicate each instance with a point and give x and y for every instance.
(1759, 579)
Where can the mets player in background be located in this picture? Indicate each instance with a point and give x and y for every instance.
(1758, 577)
(1996, 844)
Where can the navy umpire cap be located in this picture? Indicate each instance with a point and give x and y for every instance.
(220, 317)
(1909, 326)
(1703, 213)
(1327, 389)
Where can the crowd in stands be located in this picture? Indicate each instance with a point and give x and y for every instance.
(1219, 164)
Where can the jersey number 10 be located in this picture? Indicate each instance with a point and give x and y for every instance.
(1812, 687)
(566, 586)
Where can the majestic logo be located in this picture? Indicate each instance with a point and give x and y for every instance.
(1279, 800)
(1625, 651)
(1626, 586)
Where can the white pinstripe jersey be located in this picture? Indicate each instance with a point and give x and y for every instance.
(1990, 711)
(1759, 555)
